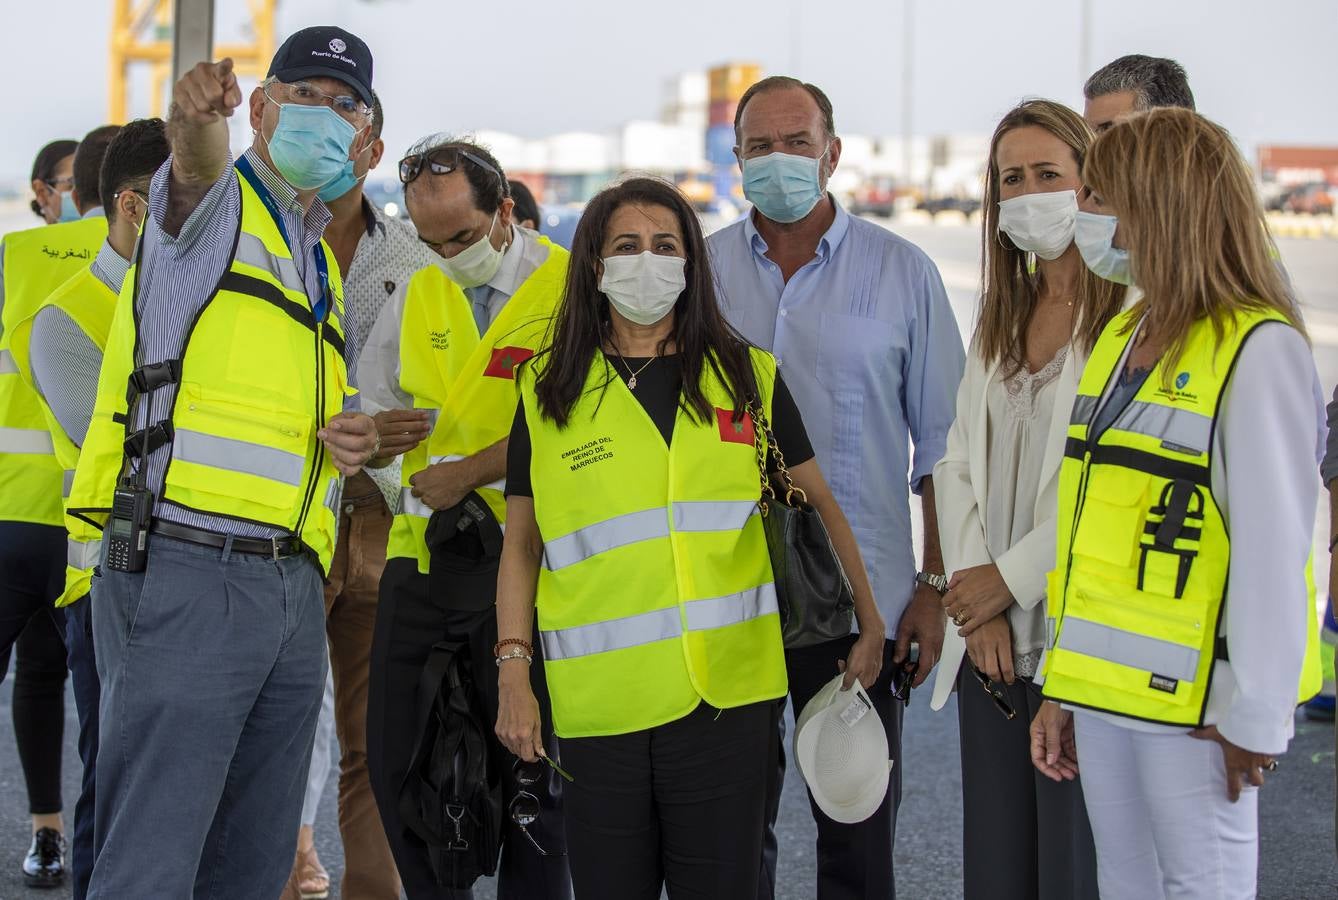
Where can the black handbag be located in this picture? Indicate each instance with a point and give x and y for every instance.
(451, 797)
(812, 591)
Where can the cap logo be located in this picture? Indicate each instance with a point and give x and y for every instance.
(338, 46)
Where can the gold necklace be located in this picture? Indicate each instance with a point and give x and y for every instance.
(631, 381)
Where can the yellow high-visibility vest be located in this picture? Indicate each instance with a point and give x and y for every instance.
(37, 261)
(259, 377)
(90, 304)
(474, 388)
(1137, 598)
(655, 592)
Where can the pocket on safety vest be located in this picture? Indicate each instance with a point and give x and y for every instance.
(1111, 519)
(237, 451)
(1170, 540)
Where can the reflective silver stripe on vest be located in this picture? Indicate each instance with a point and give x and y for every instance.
(252, 251)
(717, 612)
(713, 515)
(616, 634)
(601, 537)
(412, 506)
(1137, 651)
(1084, 408)
(1181, 427)
(238, 456)
(82, 555)
(7, 364)
(26, 440)
(67, 482)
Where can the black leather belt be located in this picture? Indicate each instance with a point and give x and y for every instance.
(276, 548)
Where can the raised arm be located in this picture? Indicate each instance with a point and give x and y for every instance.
(202, 102)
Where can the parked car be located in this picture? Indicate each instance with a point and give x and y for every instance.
(1314, 199)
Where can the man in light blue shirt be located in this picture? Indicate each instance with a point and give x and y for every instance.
(861, 328)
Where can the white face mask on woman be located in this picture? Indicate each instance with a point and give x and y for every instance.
(1040, 223)
(645, 287)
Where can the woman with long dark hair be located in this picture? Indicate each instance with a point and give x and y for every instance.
(632, 527)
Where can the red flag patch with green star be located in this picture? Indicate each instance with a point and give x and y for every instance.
(504, 361)
(740, 432)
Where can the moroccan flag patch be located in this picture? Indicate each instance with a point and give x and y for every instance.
(504, 361)
(740, 432)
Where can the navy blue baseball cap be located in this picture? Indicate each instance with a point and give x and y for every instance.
(329, 51)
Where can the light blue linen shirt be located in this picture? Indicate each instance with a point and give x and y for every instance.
(868, 345)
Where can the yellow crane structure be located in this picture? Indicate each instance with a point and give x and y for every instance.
(141, 34)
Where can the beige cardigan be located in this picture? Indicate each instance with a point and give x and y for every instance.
(959, 494)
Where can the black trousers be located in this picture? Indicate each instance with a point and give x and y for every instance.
(679, 806)
(32, 573)
(854, 861)
(409, 621)
(1024, 837)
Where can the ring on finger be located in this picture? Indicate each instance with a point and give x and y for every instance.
(959, 620)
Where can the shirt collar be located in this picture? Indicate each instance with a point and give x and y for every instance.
(510, 274)
(285, 195)
(94, 213)
(827, 244)
(110, 267)
(373, 217)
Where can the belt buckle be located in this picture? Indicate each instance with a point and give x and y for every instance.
(274, 547)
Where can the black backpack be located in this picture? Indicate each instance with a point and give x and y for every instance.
(451, 797)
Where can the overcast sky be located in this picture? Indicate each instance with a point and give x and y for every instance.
(1266, 70)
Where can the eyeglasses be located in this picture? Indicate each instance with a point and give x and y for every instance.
(442, 161)
(60, 184)
(304, 93)
(1001, 701)
(524, 809)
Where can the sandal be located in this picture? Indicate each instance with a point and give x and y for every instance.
(313, 882)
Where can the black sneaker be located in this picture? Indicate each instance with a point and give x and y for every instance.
(44, 866)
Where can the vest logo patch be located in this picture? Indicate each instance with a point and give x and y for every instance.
(1181, 380)
(504, 361)
(1162, 683)
(740, 432)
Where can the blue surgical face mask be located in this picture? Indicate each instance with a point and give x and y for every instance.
(68, 211)
(344, 182)
(1093, 234)
(310, 145)
(783, 187)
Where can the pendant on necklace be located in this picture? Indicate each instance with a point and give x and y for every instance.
(631, 383)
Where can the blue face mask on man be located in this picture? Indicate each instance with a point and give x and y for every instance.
(68, 211)
(782, 186)
(310, 145)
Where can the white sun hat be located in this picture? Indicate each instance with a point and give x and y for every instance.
(841, 750)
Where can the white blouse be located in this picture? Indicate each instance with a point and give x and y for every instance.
(1018, 409)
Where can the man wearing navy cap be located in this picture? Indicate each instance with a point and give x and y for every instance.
(214, 454)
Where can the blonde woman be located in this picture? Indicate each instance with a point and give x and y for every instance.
(1182, 606)
(1041, 311)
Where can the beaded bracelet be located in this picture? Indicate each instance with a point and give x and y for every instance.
(508, 642)
(517, 653)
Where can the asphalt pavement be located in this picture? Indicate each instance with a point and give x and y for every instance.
(1297, 858)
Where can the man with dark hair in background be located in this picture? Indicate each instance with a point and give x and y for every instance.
(526, 211)
(1134, 83)
(58, 351)
(376, 255)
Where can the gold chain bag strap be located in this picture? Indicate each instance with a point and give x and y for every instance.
(812, 591)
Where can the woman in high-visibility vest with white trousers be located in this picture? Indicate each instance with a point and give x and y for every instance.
(633, 529)
(1182, 627)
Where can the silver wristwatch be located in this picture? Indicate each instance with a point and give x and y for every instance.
(937, 582)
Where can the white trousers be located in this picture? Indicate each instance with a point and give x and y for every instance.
(1163, 825)
(322, 754)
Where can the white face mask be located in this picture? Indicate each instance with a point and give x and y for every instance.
(645, 287)
(476, 264)
(1040, 223)
(1094, 235)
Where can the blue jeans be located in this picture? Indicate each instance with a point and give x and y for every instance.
(84, 676)
(212, 666)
